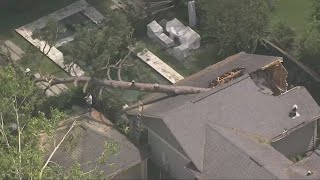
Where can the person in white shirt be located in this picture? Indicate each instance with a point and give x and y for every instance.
(88, 99)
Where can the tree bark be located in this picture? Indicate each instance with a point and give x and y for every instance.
(101, 83)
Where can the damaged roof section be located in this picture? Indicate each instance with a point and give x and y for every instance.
(249, 96)
(267, 72)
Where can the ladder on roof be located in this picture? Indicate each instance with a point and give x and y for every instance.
(136, 124)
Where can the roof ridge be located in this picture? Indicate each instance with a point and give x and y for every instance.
(250, 156)
(220, 88)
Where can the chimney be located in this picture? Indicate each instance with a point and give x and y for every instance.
(294, 112)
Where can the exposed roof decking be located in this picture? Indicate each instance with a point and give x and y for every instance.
(250, 62)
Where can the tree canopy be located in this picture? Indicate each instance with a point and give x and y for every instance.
(21, 155)
(309, 44)
(95, 48)
(233, 25)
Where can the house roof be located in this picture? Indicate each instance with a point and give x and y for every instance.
(266, 162)
(250, 63)
(311, 163)
(237, 105)
(90, 138)
(220, 153)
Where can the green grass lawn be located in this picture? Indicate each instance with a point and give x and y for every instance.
(12, 17)
(294, 12)
(38, 62)
(199, 59)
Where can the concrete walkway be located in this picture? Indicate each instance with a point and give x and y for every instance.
(53, 90)
(54, 54)
(15, 52)
(160, 66)
(79, 6)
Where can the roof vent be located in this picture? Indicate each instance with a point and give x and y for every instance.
(309, 173)
(294, 112)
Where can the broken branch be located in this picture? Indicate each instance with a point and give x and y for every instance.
(56, 148)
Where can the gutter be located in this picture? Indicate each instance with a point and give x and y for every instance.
(303, 124)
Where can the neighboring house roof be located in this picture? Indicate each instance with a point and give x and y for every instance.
(86, 144)
(237, 106)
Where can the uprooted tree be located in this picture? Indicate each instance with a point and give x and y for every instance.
(22, 121)
(105, 83)
(21, 156)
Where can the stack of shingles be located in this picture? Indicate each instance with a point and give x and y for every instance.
(155, 32)
(53, 90)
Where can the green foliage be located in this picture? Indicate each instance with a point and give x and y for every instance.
(309, 44)
(64, 101)
(283, 35)
(95, 48)
(316, 10)
(111, 148)
(233, 25)
(21, 124)
(310, 49)
(110, 103)
(50, 32)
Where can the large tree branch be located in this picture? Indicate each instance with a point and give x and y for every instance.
(15, 107)
(56, 148)
(120, 64)
(3, 132)
(169, 89)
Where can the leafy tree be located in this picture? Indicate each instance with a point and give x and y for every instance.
(309, 52)
(316, 13)
(233, 25)
(310, 49)
(21, 156)
(283, 35)
(96, 48)
(64, 101)
(49, 34)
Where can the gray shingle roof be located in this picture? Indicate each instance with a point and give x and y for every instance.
(159, 127)
(299, 170)
(236, 105)
(89, 144)
(203, 78)
(239, 106)
(223, 160)
(260, 152)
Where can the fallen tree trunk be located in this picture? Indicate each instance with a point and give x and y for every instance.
(101, 83)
